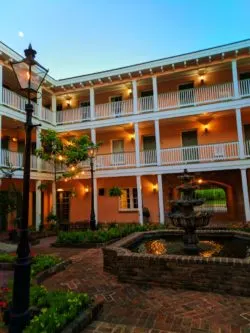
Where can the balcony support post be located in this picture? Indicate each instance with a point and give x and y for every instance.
(135, 96)
(39, 103)
(53, 109)
(1, 84)
(160, 197)
(158, 142)
(240, 133)
(137, 144)
(139, 197)
(245, 194)
(92, 103)
(155, 93)
(38, 205)
(235, 79)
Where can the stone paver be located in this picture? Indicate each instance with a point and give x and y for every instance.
(144, 308)
(7, 248)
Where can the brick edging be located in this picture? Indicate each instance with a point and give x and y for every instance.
(85, 245)
(84, 318)
(61, 266)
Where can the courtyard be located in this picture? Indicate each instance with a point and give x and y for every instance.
(143, 308)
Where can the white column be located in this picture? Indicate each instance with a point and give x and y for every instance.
(137, 144)
(93, 135)
(160, 197)
(155, 93)
(135, 96)
(38, 146)
(53, 108)
(0, 140)
(235, 78)
(39, 103)
(54, 197)
(158, 142)
(240, 133)
(1, 84)
(245, 193)
(95, 199)
(139, 197)
(38, 204)
(92, 103)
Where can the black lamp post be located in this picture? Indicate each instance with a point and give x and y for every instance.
(92, 154)
(30, 75)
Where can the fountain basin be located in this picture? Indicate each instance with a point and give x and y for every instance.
(219, 274)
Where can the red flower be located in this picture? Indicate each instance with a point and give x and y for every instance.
(3, 304)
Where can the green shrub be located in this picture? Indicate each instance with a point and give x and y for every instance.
(42, 262)
(101, 236)
(5, 257)
(58, 308)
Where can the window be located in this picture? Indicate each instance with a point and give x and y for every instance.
(128, 200)
(84, 104)
(59, 107)
(118, 151)
(116, 105)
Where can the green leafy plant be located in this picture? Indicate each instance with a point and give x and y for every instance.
(43, 262)
(43, 186)
(115, 191)
(51, 217)
(6, 257)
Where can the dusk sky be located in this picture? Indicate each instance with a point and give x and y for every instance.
(74, 37)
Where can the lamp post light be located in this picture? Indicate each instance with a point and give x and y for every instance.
(30, 75)
(92, 154)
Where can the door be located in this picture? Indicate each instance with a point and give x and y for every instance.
(116, 106)
(147, 103)
(149, 149)
(245, 86)
(63, 206)
(190, 143)
(186, 93)
(85, 110)
(118, 152)
(247, 138)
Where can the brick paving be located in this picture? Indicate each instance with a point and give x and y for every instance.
(143, 308)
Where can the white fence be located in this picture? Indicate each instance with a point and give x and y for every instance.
(114, 109)
(73, 115)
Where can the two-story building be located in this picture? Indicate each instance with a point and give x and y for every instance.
(154, 119)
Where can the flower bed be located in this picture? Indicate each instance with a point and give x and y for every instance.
(55, 311)
(90, 238)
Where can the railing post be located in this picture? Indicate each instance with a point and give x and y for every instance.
(245, 194)
(137, 145)
(158, 142)
(139, 198)
(155, 93)
(39, 102)
(160, 197)
(135, 96)
(235, 79)
(0, 140)
(92, 103)
(240, 133)
(53, 109)
(1, 84)
(38, 204)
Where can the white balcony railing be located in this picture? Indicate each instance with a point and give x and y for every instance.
(244, 87)
(47, 115)
(16, 101)
(203, 153)
(115, 160)
(196, 96)
(114, 109)
(73, 115)
(145, 104)
(148, 157)
(16, 160)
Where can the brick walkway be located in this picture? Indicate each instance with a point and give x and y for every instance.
(137, 309)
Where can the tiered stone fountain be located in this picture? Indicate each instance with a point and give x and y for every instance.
(185, 217)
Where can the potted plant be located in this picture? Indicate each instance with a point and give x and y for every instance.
(146, 214)
(52, 220)
(42, 187)
(115, 191)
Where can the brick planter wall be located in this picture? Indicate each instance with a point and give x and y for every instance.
(224, 275)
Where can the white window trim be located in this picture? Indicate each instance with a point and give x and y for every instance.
(131, 199)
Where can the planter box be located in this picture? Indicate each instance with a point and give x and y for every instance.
(85, 245)
(84, 318)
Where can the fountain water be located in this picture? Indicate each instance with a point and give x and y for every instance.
(185, 217)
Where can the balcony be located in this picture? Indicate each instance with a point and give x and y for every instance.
(73, 115)
(173, 156)
(16, 160)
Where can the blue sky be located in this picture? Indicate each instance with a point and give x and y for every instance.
(76, 37)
